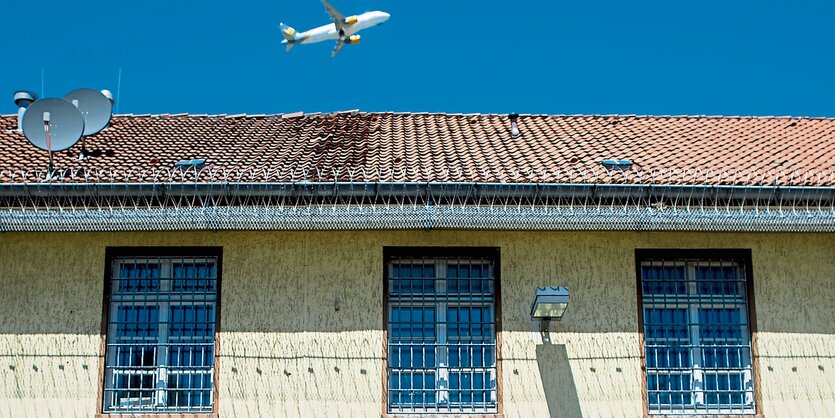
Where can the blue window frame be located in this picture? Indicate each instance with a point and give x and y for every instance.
(441, 327)
(697, 341)
(161, 335)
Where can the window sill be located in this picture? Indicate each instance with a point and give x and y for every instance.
(754, 415)
(387, 415)
(158, 415)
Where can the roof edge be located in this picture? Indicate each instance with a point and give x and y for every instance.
(432, 190)
(407, 113)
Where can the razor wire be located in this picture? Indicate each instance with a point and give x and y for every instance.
(579, 174)
(353, 199)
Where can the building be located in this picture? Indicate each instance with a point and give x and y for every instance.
(384, 264)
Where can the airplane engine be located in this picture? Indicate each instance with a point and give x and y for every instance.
(350, 20)
(353, 39)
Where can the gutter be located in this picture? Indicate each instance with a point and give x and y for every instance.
(418, 190)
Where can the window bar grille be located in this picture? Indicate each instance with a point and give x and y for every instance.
(160, 339)
(441, 335)
(697, 337)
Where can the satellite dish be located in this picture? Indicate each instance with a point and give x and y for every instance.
(94, 106)
(65, 123)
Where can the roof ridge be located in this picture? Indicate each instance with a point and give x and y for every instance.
(459, 114)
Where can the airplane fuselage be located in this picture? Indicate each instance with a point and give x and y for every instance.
(329, 32)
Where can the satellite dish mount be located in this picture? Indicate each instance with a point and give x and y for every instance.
(46, 117)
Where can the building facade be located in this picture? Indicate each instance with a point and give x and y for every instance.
(216, 291)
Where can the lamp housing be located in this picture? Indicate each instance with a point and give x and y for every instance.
(549, 303)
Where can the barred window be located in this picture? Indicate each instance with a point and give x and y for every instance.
(441, 323)
(697, 337)
(160, 344)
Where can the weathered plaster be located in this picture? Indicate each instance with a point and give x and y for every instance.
(285, 351)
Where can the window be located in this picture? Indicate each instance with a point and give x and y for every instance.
(161, 323)
(697, 335)
(441, 331)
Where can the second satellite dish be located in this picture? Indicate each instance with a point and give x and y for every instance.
(65, 123)
(94, 106)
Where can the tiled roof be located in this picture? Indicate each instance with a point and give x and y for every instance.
(425, 147)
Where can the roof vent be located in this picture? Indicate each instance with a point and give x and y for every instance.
(109, 95)
(196, 164)
(23, 99)
(619, 165)
(514, 127)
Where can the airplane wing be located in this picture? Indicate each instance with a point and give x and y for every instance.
(339, 44)
(338, 19)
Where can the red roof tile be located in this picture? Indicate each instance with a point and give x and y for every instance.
(444, 147)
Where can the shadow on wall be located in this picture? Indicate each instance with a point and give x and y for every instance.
(557, 381)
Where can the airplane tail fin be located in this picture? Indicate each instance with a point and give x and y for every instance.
(290, 34)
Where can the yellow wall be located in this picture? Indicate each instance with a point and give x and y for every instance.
(285, 352)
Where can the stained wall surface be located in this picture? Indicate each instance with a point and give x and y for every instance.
(285, 351)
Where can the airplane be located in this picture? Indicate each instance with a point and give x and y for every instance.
(343, 29)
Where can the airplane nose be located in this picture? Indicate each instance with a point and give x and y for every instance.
(386, 16)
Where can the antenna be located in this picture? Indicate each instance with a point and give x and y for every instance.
(119, 89)
(52, 125)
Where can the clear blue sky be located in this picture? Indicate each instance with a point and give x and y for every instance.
(742, 57)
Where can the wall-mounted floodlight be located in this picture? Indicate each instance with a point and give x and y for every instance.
(549, 303)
